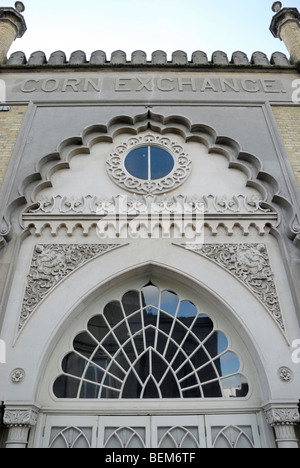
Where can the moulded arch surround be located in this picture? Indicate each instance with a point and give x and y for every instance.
(238, 159)
(69, 299)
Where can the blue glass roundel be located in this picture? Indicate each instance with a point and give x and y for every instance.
(149, 163)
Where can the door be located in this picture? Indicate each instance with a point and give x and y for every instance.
(162, 432)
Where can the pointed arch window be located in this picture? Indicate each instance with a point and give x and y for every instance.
(150, 345)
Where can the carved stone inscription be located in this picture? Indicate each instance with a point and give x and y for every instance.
(50, 265)
(148, 84)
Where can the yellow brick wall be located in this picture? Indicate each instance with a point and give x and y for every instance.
(10, 124)
(288, 121)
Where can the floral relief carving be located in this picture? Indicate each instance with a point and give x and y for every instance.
(116, 168)
(20, 417)
(282, 416)
(249, 263)
(285, 374)
(50, 265)
(239, 204)
(17, 376)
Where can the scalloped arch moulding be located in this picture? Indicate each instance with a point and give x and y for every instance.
(249, 164)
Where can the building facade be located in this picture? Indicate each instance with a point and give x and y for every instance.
(150, 236)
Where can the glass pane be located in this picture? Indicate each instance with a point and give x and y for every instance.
(98, 327)
(74, 365)
(169, 302)
(203, 327)
(89, 391)
(131, 302)
(212, 390)
(132, 387)
(136, 163)
(170, 387)
(235, 387)
(162, 163)
(66, 387)
(216, 344)
(187, 313)
(84, 344)
(150, 296)
(113, 313)
(151, 389)
(229, 363)
(94, 374)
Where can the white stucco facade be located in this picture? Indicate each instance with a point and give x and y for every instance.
(149, 256)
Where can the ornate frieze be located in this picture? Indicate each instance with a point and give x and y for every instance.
(237, 204)
(88, 211)
(250, 264)
(50, 265)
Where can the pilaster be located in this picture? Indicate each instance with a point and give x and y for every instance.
(19, 420)
(284, 420)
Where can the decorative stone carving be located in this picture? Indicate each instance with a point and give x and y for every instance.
(240, 58)
(238, 204)
(282, 416)
(57, 58)
(159, 57)
(98, 57)
(17, 376)
(20, 417)
(118, 57)
(77, 58)
(116, 169)
(17, 58)
(220, 58)
(37, 58)
(139, 57)
(251, 265)
(19, 420)
(280, 59)
(259, 58)
(285, 374)
(283, 420)
(73, 212)
(50, 265)
(199, 58)
(179, 58)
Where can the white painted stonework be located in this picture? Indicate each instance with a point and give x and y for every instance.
(210, 233)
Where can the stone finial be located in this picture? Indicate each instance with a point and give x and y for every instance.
(285, 25)
(276, 7)
(12, 26)
(20, 7)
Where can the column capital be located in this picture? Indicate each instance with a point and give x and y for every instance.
(282, 415)
(15, 416)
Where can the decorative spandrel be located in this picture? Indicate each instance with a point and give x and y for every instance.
(50, 264)
(250, 264)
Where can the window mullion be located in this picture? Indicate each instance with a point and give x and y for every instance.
(149, 163)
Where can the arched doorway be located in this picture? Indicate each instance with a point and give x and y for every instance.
(153, 364)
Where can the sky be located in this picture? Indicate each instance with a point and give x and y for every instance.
(149, 25)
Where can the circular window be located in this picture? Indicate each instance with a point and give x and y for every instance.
(149, 163)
